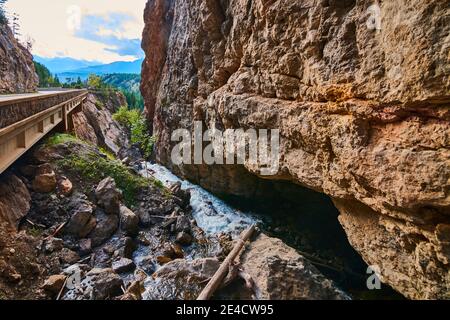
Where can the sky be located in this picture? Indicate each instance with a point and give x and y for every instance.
(93, 30)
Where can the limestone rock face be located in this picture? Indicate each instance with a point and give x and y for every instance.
(14, 200)
(360, 94)
(95, 123)
(17, 73)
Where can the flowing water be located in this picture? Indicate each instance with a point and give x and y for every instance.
(212, 214)
(307, 222)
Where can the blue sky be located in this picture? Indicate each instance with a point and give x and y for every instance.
(93, 30)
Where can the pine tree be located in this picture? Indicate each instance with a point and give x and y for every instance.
(3, 19)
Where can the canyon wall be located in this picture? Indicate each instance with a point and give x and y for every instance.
(17, 73)
(360, 93)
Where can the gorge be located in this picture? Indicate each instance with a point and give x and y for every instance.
(363, 113)
(360, 94)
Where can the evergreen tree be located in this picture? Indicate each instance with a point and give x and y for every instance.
(3, 19)
(56, 82)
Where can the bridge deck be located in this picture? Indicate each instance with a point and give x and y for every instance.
(8, 98)
(27, 118)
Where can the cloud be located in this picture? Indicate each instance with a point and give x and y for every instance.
(110, 30)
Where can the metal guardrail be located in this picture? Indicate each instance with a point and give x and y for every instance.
(31, 118)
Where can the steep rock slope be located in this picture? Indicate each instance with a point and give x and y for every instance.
(360, 93)
(17, 74)
(95, 123)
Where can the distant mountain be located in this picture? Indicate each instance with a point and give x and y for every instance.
(133, 67)
(68, 69)
(59, 65)
(115, 67)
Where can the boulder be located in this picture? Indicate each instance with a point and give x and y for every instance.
(54, 283)
(44, 180)
(129, 221)
(124, 247)
(82, 221)
(97, 284)
(180, 279)
(108, 196)
(106, 284)
(68, 257)
(123, 265)
(280, 273)
(183, 224)
(53, 244)
(65, 186)
(85, 246)
(14, 200)
(184, 238)
(107, 225)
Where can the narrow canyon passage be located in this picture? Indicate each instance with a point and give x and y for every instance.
(302, 218)
(308, 221)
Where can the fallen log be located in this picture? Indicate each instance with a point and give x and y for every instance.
(221, 273)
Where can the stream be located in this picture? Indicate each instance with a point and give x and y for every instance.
(309, 224)
(212, 214)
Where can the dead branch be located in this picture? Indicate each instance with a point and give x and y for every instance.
(220, 274)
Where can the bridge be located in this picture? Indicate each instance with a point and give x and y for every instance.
(27, 118)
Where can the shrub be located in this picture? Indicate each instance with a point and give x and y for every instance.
(134, 121)
(93, 168)
(60, 138)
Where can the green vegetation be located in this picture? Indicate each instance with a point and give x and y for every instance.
(135, 121)
(107, 153)
(3, 19)
(60, 138)
(46, 79)
(74, 84)
(93, 167)
(134, 99)
(35, 231)
(99, 105)
(129, 85)
(95, 82)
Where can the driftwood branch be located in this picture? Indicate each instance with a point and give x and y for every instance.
(56, 231)
(62, 289)
(221, 273)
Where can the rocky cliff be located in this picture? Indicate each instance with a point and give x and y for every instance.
(360, 93)
(17, 74)
(95, 123)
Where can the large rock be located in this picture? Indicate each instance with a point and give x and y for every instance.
(97, 284)
(107, 225)
(14, 200)
(363, 112)
(54, 283)
(108, 196)
(45, 179)
(17, 73)
(180, 279)
(280, 273)
(129, 221)
(123, 265)
(82, 220)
